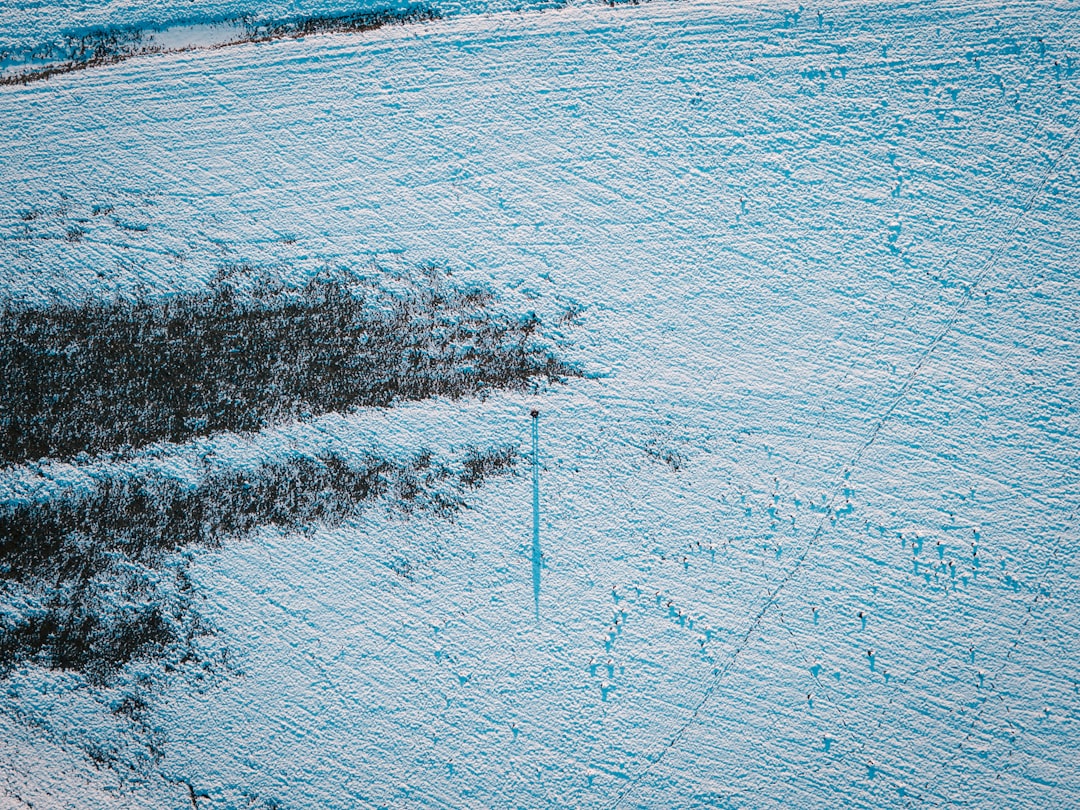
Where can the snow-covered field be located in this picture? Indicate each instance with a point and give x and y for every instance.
(809, 523)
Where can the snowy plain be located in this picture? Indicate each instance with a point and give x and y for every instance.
(809, 526)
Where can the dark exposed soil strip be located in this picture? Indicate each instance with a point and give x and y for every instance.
(108, 46)
(93, 580)
(103, 377)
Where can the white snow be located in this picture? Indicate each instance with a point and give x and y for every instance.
(830, 260)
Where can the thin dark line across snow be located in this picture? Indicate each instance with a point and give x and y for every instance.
(837, 487)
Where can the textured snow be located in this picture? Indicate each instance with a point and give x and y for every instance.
(196, 22)
(809, 529)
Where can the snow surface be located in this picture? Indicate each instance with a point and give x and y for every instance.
(829, 259)
(34, 25)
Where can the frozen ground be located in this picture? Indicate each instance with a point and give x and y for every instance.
(809, 528)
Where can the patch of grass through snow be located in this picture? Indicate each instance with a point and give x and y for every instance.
(108, 376)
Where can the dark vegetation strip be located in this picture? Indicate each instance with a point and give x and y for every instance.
(354, 22)
(105, 377)
(106, 46)
(92, 580)
(95, 48)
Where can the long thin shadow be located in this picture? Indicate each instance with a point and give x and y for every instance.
(537, 557)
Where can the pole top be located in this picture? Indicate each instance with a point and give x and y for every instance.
(535, 414)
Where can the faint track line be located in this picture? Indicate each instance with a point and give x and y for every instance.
(755, 624)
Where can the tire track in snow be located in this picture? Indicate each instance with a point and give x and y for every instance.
(837, 487)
